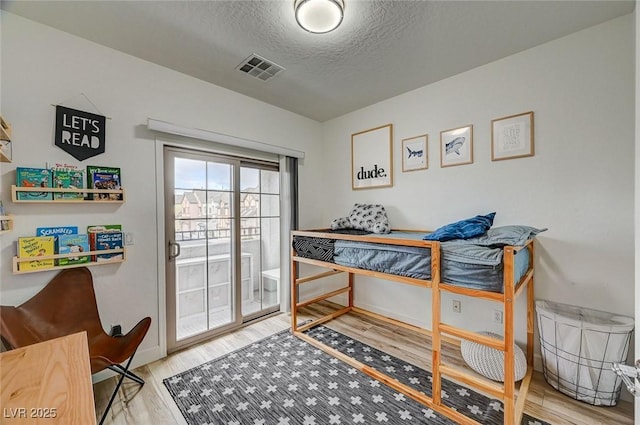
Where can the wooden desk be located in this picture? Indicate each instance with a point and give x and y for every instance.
(47, 383)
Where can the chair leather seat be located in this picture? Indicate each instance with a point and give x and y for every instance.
(66, 305)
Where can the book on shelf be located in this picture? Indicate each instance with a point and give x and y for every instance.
(35, 246)
(68, 179)
(104, 237)
(104, 178)
(34, 177)
(104, 228)
(73, 243)
(4, 224)
(100, 241)
(56, 231)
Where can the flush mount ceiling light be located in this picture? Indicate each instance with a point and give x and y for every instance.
(319, 16)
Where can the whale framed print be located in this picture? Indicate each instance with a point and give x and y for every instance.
(456, 146)
(512, 136)
(415, 154)
(372, 158)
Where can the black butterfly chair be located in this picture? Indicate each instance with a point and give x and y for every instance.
(65, 306)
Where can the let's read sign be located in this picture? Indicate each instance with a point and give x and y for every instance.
(80, 134)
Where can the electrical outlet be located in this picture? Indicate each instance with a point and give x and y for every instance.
(497, 316)
(116, 330)
(457, 306)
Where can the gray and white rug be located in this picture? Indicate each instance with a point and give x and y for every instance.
(282, 380)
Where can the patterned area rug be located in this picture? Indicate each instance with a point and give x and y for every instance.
(282, 380)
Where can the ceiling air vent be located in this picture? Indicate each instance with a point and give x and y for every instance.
(259, 67)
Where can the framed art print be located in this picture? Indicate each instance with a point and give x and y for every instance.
(456, 146)
(371, 158)
(512, 136)
(415, 154)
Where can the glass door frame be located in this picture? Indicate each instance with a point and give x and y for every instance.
(262, 166)
(169, 155)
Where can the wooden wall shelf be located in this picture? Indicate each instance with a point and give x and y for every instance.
(17, 189)
(5, 129)
(9, 219)
(4, 157)
(5, 140)
(18, 260)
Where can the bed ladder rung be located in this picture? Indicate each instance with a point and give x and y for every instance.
(498, 344)
(323, 297)
(476, 382)
(311, 278)
(321, 320)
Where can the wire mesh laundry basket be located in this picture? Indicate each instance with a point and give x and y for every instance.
(579, 346)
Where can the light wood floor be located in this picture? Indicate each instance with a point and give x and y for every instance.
(153, 405)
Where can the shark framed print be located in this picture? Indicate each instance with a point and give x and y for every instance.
(372, 158)
(512, 136)
(415, 154)
(456, 146)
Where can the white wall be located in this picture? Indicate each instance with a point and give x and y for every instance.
(43, 66)
(579, 184)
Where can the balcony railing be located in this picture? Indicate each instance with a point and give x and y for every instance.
(194, 235)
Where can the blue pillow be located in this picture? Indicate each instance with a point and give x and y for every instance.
(463, 229)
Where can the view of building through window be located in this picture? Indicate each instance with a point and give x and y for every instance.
(205, 220)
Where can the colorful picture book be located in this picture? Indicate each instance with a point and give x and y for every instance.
(74, 243)
(106, 237)
(4, 224)
(104, 178)
(106, 241)
(34, 177)
(68, 179)
(104, 228)
(56, 231)
(37, 246)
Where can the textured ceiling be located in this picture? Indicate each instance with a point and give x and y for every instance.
(383, 48)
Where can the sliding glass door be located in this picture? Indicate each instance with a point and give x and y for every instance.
(260, 237)
(222, 252)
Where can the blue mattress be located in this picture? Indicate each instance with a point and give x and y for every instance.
(462, 263)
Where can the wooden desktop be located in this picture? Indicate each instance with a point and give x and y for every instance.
(47, 383)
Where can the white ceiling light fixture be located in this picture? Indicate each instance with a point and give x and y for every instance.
(319, 16)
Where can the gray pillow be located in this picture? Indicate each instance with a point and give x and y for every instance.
(368, 217)
(340, 223)
(515, 235)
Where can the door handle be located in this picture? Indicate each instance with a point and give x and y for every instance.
(629, 375)
(174, 250)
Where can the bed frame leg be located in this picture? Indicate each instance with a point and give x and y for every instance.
(350, 290)
(509, 338)
(294, 293)
(530, 307)
(509, 363)
(436, 385)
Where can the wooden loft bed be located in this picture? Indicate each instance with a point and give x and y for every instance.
(506, 392)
